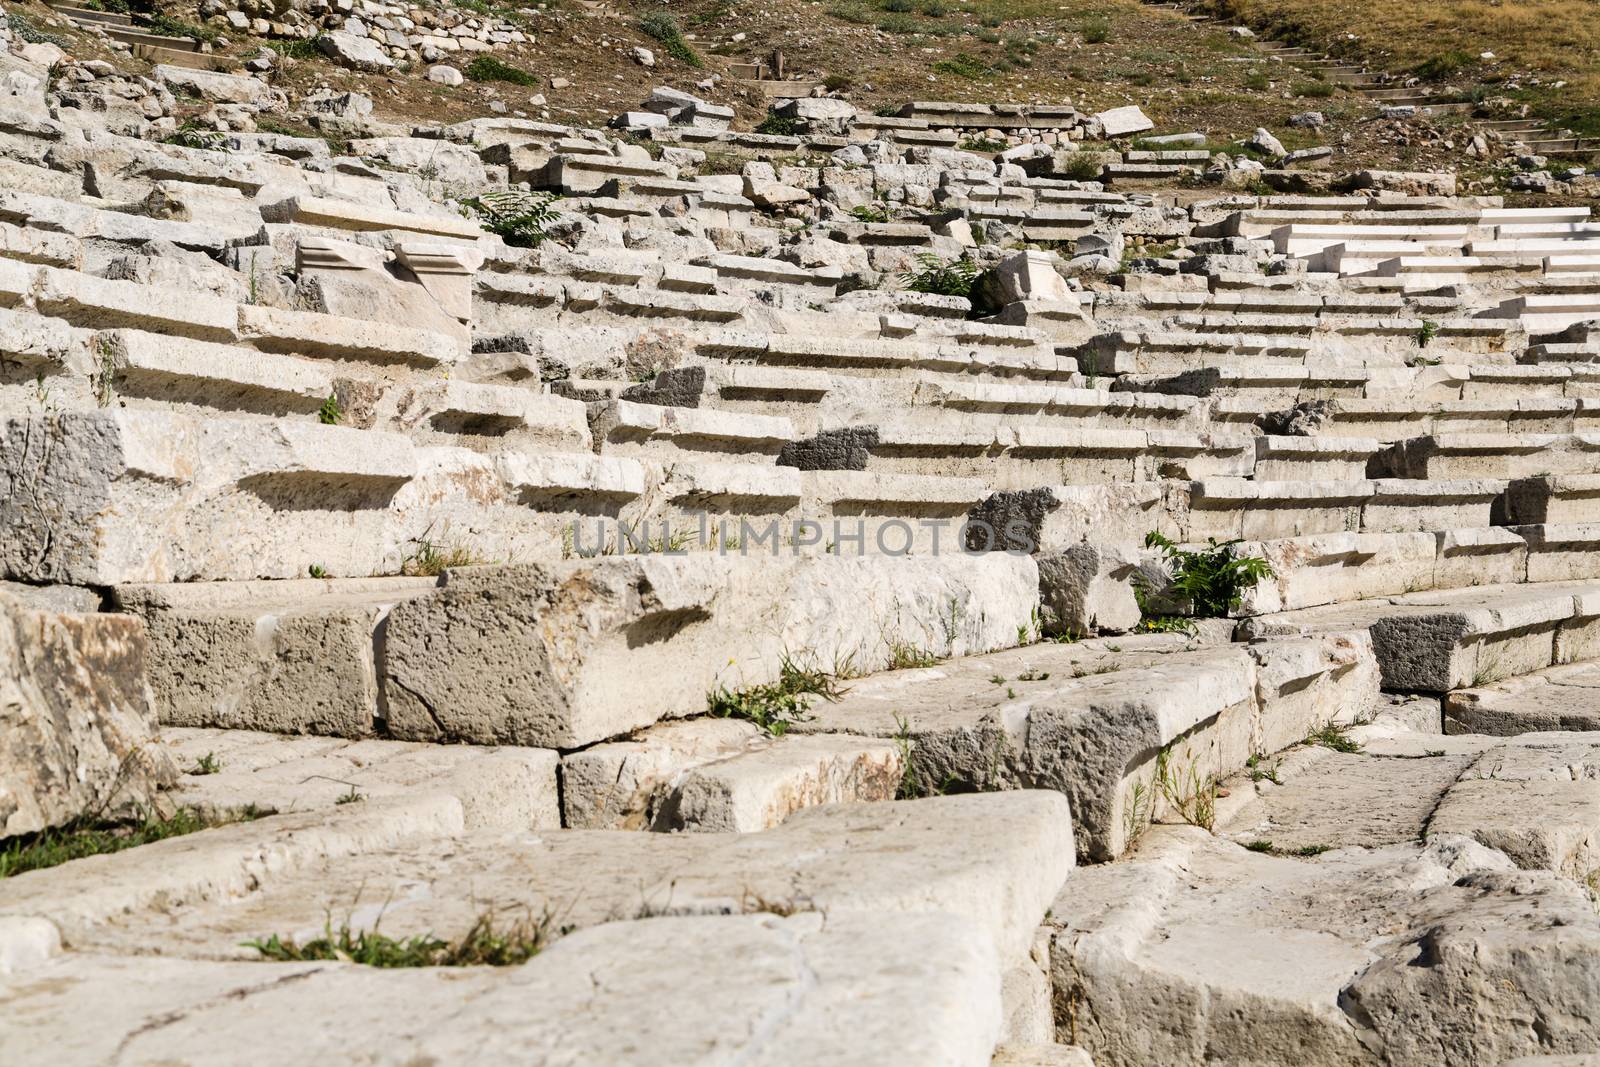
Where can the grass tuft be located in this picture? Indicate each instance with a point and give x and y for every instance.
(50, 848)
(484, 945)
(1335, 736)
(777, 706)
(485, 68)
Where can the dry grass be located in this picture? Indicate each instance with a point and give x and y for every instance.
(1550, 40)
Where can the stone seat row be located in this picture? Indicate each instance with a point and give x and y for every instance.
(134, 493)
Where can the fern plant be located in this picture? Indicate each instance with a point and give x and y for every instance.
(521, 219)
(1214, 578)
(945, 277)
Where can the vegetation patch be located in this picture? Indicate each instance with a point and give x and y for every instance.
(1335, 736)
(664, 28)
(486, 68)
(944, 277)
(777, 706)
(521, 220)
(484, 945)
(97, 837)
(779, 125)
(431, 559)
(1213, 579)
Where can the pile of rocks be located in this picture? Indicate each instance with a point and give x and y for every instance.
(636, 539)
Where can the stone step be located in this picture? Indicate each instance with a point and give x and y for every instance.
(225, 770)
(1025, 456)
(977, 891)
(720, 776)
(623, 428)
(1556, 698)
(342, 500)
(1100, 721)
(1437, 642)
(438, 690)
(1504, 456)
(1334, 567)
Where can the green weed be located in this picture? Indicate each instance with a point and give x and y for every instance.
(777, 706)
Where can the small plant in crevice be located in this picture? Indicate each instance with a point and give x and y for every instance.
(431, 559)
(1192, 795)
(779, 705)
(485, 944)
(1212, 579)
(939, 276)
(1081, 166)
(351, 797)
(190, 134)
(521, 220)
(1335, 736)
(317, 570)
(983, 144)
(903, 655)
(207, 764)
(1427, 332)
(1257, 774)
(330, 413)
(870, 213)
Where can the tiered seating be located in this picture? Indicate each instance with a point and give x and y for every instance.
(684, 513)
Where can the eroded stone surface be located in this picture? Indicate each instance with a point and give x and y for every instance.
(77, 728)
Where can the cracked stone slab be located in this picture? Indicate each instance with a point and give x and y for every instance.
(1328, 799)
(1539, 803)
(1094, 720)
(762, 990)
(590, 650)
(720, 775)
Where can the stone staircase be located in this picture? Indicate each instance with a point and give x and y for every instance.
(152, 47)
(778, 647)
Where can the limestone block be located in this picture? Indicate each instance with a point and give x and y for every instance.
(1559, 698)
(430, 158)
(357, 53)
(1122, 121)
(624, 785)
(214, 85)
(40, 246)
(347, 215)
(287, 657)
(308, 333)
(757, 790)
(565, 655)
(1087, 589)
(846, 990)
(1054, 518)
(77, 727)
(1025, 276)
(85, 300)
